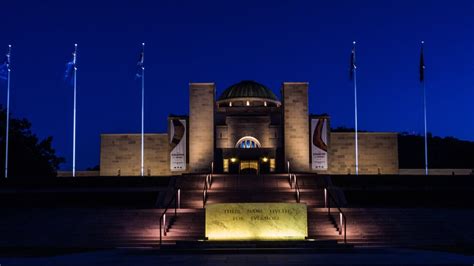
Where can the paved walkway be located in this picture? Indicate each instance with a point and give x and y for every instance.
(145, 257)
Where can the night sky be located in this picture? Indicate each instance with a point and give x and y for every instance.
(228, 41)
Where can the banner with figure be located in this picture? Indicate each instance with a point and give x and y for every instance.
(178, 144)
(319, 143)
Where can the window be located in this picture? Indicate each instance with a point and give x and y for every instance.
(248, 142)
(272, 165)
(226, 165)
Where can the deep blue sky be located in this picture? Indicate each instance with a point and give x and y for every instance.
(228, 41)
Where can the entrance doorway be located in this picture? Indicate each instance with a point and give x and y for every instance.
(249, 167)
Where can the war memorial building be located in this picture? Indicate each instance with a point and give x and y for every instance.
(250, 201)
(248, 129)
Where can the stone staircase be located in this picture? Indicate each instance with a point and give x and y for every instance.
(75, 225)
(409, 227)
(366, 227)
(189, 223)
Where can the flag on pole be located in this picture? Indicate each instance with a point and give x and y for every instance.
(352, 76)
(141, 75)
(140, 63)
(4, 67)
(70, 77)
(422, 80)
(5, 75)
(422, 65)
(68, 74)
(352, 66)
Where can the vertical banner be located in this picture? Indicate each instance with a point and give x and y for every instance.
(178, 144)
(319, 140)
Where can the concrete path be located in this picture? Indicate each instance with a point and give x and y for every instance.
(144, 257)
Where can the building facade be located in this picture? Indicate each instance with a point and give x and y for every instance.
(248, 129)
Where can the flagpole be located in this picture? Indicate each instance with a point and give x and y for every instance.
(74, 114)
(355, 116)
(424, 118)
(426, 135)
(8, 111)
(142, 169)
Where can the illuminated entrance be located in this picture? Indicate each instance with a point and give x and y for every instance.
(248, 157)
(249, 167)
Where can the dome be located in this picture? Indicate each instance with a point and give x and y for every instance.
(247, 89)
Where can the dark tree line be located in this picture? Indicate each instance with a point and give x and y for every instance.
(28, 155)
(448, 152)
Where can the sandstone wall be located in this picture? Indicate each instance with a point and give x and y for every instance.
(378, 153)
(120, 154)
(237, 127)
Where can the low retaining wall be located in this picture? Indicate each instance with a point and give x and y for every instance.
(437, 171)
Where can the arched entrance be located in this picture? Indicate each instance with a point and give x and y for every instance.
(248, 142)
(248, 157)
(249, 167)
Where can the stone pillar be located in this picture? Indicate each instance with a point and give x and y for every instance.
(201, 126)
(296, 125)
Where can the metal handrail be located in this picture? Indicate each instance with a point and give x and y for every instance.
(297, 188)
(294, 183)
(176, 199)
(342, 216)
(289, 175)
(207, 185)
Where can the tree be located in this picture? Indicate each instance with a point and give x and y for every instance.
(28, 156)
(448, 152)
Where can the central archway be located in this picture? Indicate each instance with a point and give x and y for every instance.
(248, 142)
(249, 167)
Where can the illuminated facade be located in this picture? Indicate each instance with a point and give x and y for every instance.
(248, 129)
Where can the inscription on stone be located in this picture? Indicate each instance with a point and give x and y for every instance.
(256, 221)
